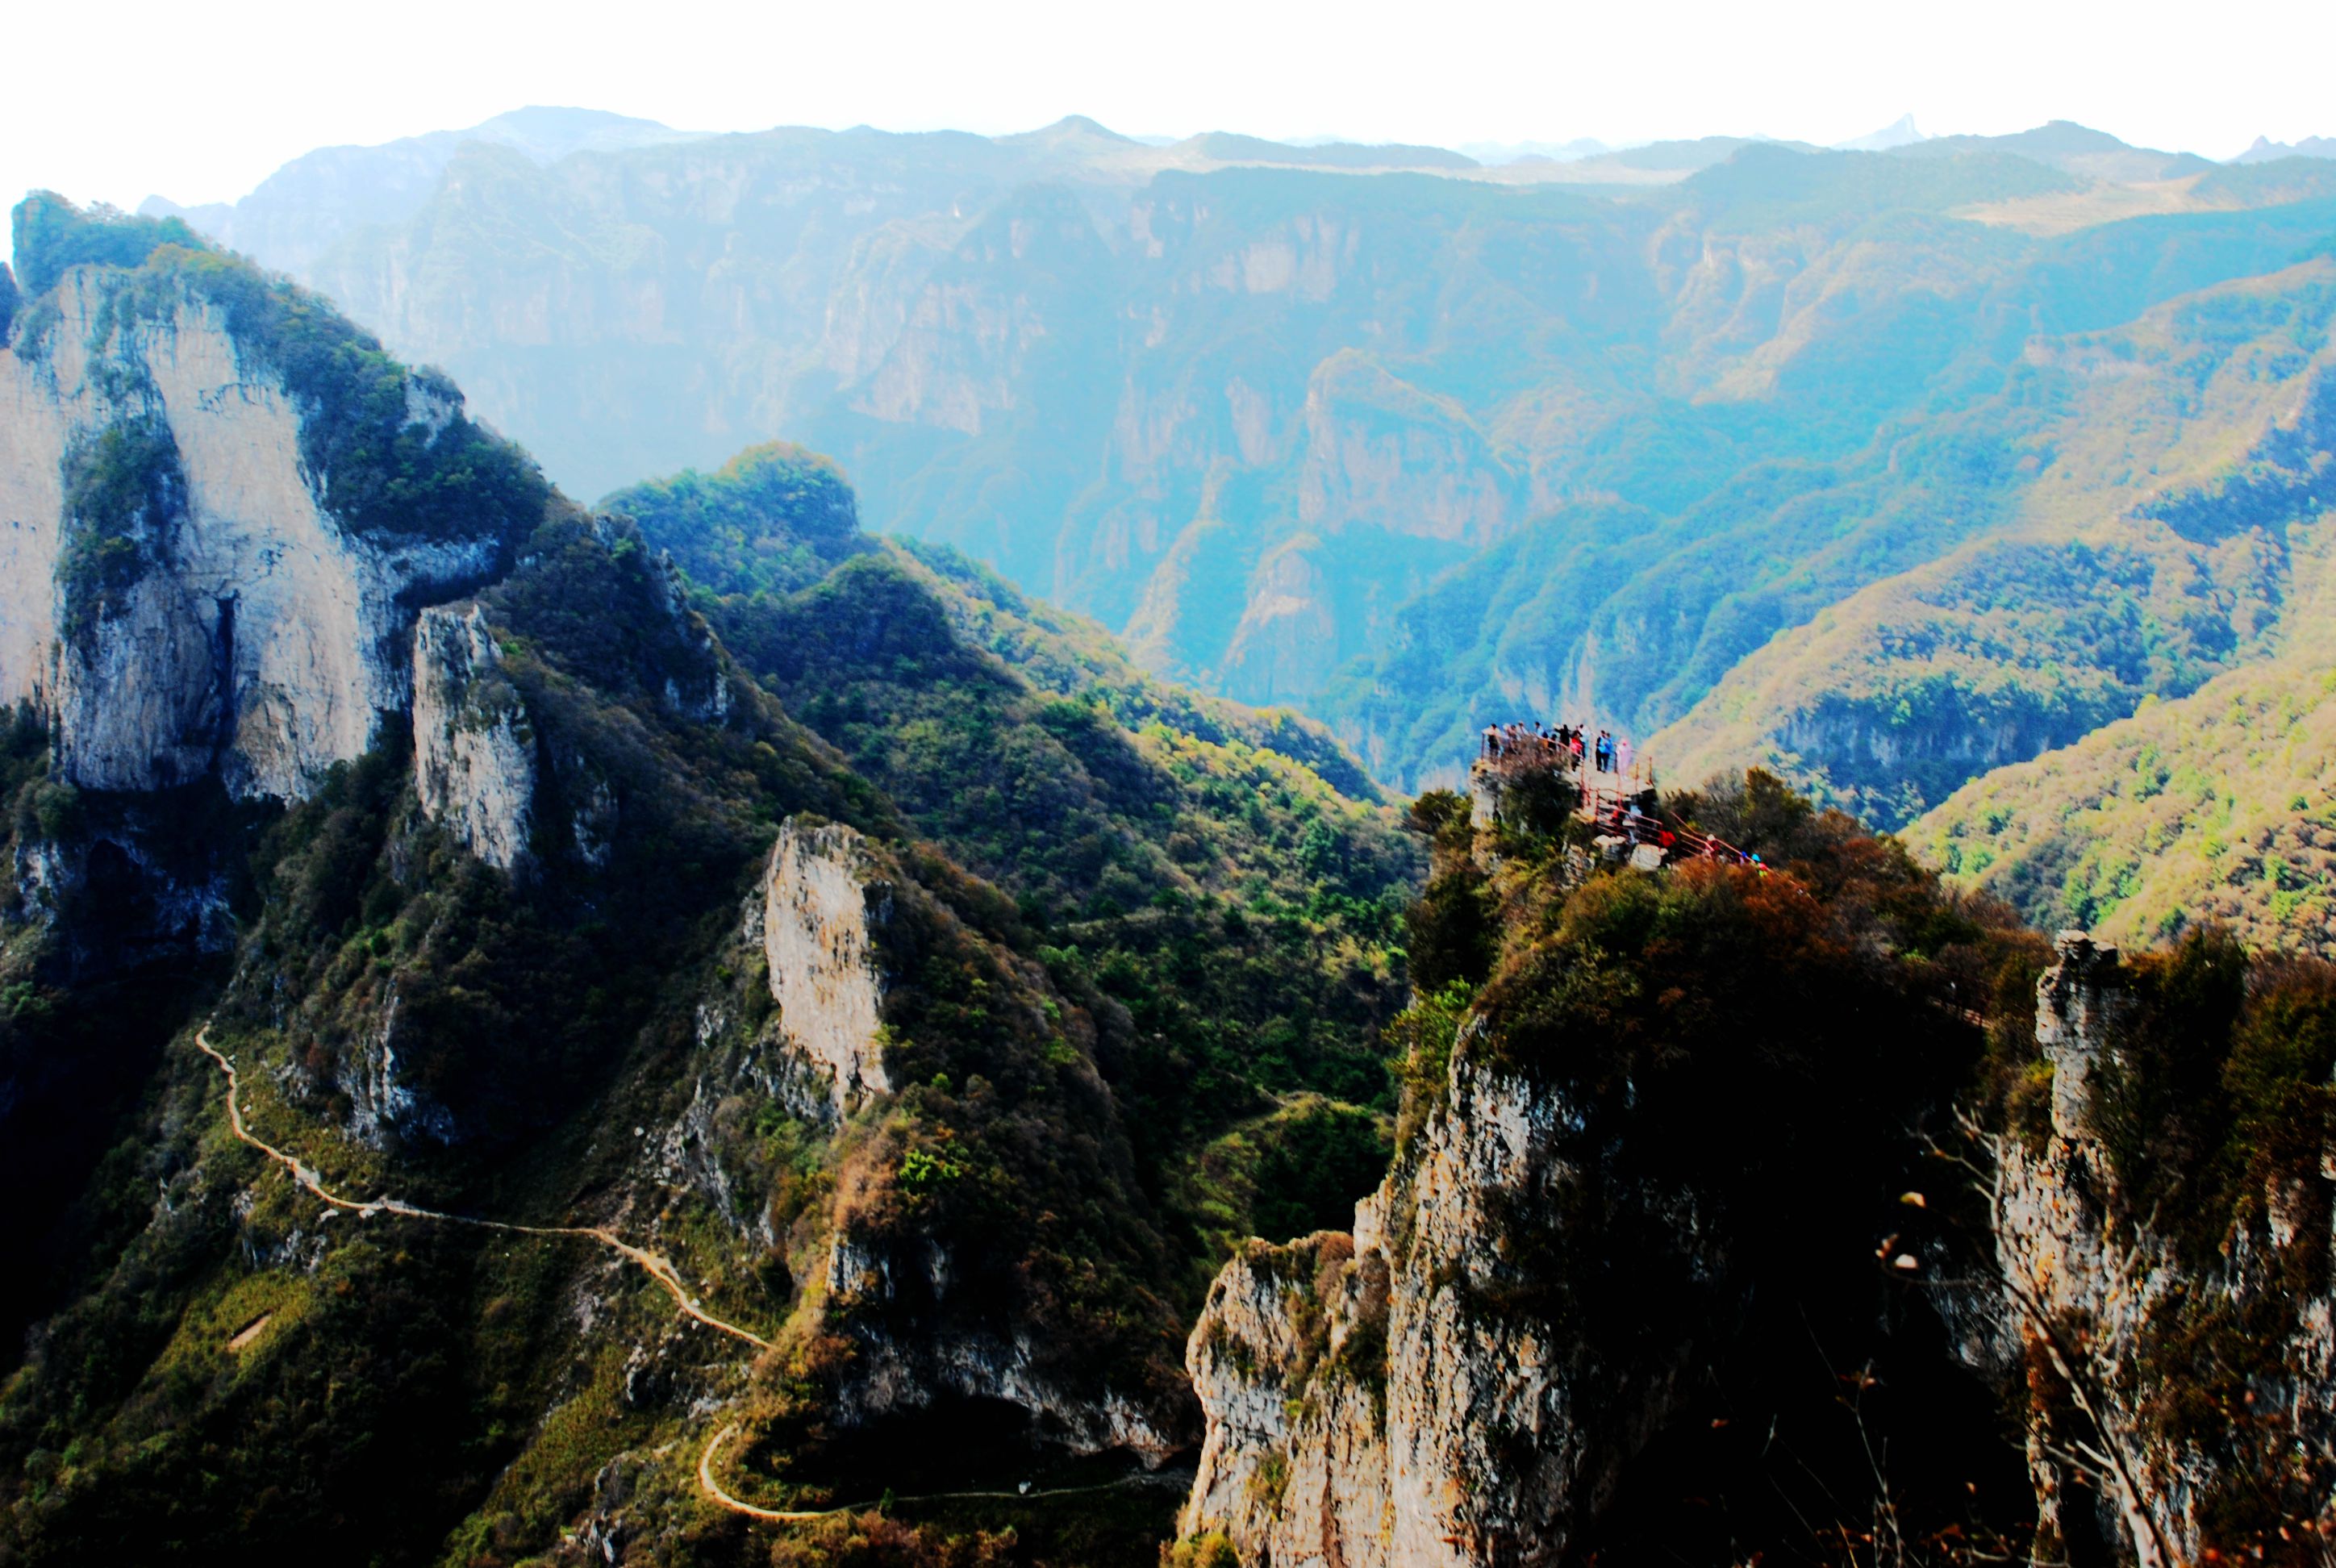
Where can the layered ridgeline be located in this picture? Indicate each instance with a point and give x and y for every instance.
(1813, 1215)
(535, 1034)
(637, 1102)
(2212, 805)
(1421, 449)
(2173, 533)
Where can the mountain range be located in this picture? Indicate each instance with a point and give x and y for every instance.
(2265, 150)
(687, 1030)
(381, 817)
(1884, 469)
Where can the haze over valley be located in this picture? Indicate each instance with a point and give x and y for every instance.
(1687, 437)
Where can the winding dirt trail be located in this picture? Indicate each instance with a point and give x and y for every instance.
(654, 1265)
(714, 1490)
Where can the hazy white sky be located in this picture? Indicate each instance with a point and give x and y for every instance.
(199, 103)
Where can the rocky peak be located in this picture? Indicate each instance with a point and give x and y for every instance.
(2077, 1301)
(198, 574)
(474, 762)
(2078, 1003)
(825, 905)
(1366, 1407)
(2117, 1275)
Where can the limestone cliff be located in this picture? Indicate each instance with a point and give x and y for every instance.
(2134, 1450)
(474, 765)
(920, 1302)
(1380, 452)
(1370, 1401)
(824, 906)
(2149, 1299)
(185, 592)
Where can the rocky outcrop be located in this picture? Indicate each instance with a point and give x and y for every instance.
(1279, 1476)
(2078, 1300)
(696, 686)
(824, 906)
(2109, 1314)
(474, 764)
(1395, 1398)
(1380, 452)
(934, 1314)
(1419, 1393)
(384, 1103)
(175, 590)
(946, 1358)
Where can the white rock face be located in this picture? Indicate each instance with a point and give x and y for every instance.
(474, 748)
(824, 899)
(1272, 1477)
(1325, 1448)
(270, 642)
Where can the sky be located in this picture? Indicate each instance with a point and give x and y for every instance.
(200, 103)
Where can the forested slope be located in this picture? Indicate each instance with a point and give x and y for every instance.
(1357, 441)
(588, 926)
(2167, 535)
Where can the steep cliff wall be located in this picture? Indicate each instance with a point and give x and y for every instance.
(1407, 1395)
(915, 1294)
(1380, 452)
(824, 904)
(2149, 1302)
(474, 765)
(1622, 1268)
(2177, 1403)
(183, 595)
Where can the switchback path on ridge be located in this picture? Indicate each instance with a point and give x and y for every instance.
(653, 1265)
(714, 1489)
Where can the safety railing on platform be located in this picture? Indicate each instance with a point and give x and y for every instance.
(1613, 798)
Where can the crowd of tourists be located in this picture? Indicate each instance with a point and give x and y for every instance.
(1633, 815)
(1571, 744)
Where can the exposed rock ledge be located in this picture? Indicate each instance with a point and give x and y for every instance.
(824, 901)
(473, 747)
(262, 641)
(894, 1372)
(1361, 1399)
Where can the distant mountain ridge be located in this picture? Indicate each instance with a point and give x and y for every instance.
(2075, 149)
(302, 210)
(2266, 150)
(318, 199)
(1900, 132)
(1823, 457)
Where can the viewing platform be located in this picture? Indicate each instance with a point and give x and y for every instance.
(1621, 801)
(1597, 794)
